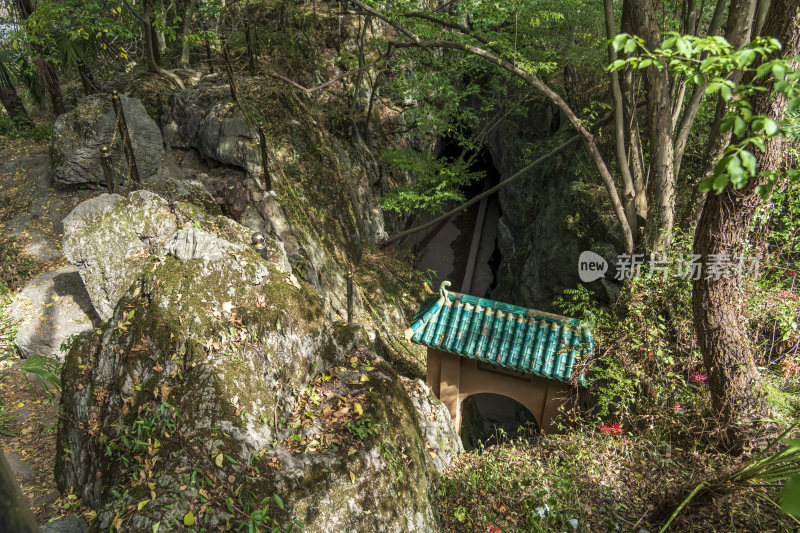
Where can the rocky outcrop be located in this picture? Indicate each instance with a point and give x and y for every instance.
(48, 311)
(441, 438)
(201, 401)
(111, 237)
(207, 121)
(79, 135)
(548, 217)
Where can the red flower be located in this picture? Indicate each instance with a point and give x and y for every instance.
(641, 348)
(493, 529)
(677, 407)
(790, 368)
(653, 392)
(611, 428)
(651, 355)
(698, 378)
(792, 273)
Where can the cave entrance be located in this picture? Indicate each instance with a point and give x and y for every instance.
(464, 248)
(488, 418)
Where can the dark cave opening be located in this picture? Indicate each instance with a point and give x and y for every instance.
(488, 419)
(444, 253)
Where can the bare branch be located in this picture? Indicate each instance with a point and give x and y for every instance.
(329, 82)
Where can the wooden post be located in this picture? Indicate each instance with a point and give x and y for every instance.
(251, 56)
(105, 162)
(350, 296)
(229, 69)
(209, 60)
(262, 137)
(126, 138)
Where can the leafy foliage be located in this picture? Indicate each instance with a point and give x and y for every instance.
(437, 182)
(709, 62)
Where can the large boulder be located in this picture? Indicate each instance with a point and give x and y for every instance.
(48, 311)
(219, 395)
(79, 135)
(207, 120)
(110, 238)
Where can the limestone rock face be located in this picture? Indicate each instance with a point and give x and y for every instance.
(204, 119)
(548, 217)
(441, 437)
(111, 237)
(79, 135)
(194, 394)
(49, 310)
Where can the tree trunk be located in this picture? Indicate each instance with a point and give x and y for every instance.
(628, 192)
(161, 39)
(737, 32)
(47, 71)
(736, 391)
(14, 105)
(149, 46)
(90, 85)
(187, 28)
(661, 183)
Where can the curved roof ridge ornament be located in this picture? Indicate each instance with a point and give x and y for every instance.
(443, 292)
(425, 315)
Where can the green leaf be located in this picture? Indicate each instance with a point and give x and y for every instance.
(725, 92)
(188, 520)
(705, 185)
(793, 104)
(790, 496)
(669, 43)
(618, 64)
(746, 57)
(739, 127)
(748, 161)
(713, 87)
(619, 41)
(720, 182)
(762, 70)
(278, 501)
(698, 79)
(727, 124)
(630, 46)
(682, 45)
(737, 176)
(779, 71)
(644, 63)
(770, 127)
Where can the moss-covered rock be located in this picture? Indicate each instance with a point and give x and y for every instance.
(111, 237)
(169, 411)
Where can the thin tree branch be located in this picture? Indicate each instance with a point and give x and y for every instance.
(329, 82)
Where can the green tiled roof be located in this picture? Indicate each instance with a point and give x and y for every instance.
(513, 337)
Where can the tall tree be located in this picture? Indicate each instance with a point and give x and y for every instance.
(735, 383)
(11, 101)
(47, 71)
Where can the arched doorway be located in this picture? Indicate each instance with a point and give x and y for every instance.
(488, 418)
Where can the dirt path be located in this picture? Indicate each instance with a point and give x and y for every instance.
(31, 211)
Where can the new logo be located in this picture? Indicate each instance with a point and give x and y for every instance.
(591, 266)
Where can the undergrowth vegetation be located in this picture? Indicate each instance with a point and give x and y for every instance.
(645, 454)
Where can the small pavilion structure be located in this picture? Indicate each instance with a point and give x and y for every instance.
(477, 345)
